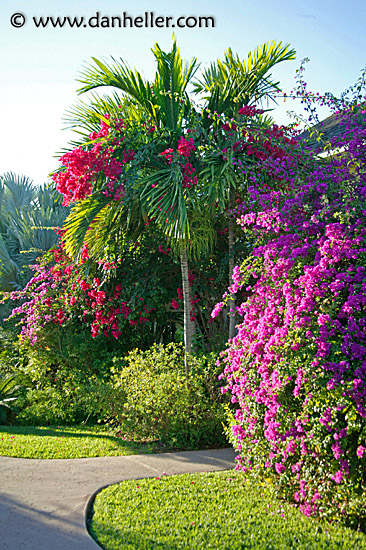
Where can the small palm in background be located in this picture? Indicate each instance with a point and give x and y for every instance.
(28, 215)
(11, 388)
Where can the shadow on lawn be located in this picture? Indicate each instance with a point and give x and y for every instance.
(77, 432)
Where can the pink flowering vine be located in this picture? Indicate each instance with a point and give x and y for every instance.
(296, 370)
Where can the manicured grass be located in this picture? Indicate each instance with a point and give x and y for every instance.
(218, 510)
(66, 442)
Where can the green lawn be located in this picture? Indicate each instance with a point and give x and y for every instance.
(218, 510)
(67, 442)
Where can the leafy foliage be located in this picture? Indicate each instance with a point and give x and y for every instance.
(10, 388)
(162, 401)
(231, 83)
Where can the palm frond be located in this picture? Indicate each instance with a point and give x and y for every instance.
(166, 201)
(231, 83)
(112, 228)
(18, 193)
(36, 229)
(171, 81)
(160, 100)
(80, 220)
(219, 178)
(118, 74)
(87, 115)
(10, 268)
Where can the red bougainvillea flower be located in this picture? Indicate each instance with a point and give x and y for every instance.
(249, 110)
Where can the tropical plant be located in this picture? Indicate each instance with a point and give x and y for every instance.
(168, 166)
(226, 86)
(10, 388)
(28, 215)
(156, 185)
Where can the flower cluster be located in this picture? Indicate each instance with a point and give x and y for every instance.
(185, 149)
(62, 292)
(102, 163)
(261, 155)
(250, 110)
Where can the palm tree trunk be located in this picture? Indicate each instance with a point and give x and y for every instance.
(188, 324)
(231, 302)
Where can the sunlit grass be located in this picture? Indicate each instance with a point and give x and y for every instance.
(67, 442)
(220, 511)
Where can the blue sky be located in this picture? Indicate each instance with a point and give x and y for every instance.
(39, 66)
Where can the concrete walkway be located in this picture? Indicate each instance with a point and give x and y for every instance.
(43, 502)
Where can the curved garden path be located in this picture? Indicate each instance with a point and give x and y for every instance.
(43, 502)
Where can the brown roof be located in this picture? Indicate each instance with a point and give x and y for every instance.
(331, 129)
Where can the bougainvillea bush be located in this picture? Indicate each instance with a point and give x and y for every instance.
(75, 316)
(296, 369)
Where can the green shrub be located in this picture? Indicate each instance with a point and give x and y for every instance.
(46, 407)
(9, 353)
(94, 401)
(69, 382)
(162, 401)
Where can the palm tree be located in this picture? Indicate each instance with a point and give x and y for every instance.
(27, 217)
(157, 190)
(226, 86)
(160, 193)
